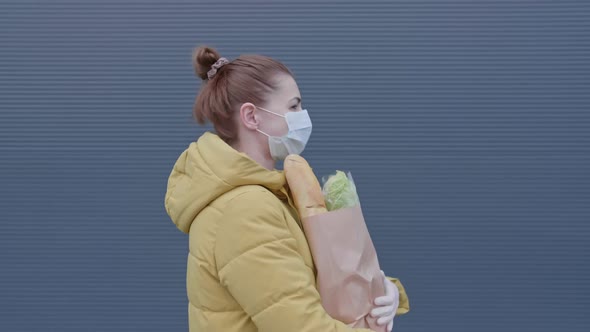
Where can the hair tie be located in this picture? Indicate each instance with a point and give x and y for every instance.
(222, 61)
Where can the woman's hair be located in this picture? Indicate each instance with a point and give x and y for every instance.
(248, 78)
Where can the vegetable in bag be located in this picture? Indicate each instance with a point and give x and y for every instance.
(339, 191)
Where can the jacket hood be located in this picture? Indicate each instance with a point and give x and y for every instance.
(207, 169)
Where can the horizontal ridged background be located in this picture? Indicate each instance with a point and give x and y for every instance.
(465, 124)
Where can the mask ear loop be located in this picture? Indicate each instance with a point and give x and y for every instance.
(267, 135)
(262, 132)
(271, 112)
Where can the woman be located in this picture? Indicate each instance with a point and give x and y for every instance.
(249, 266)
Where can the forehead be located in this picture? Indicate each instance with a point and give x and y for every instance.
(286, 88)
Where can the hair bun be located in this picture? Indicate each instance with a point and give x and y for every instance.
(203, 59)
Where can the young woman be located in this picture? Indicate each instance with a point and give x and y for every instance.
(249, 265)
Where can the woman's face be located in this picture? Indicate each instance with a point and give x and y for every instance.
(286, 98)
(253, 121)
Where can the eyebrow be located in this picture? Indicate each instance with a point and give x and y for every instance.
(298, 99)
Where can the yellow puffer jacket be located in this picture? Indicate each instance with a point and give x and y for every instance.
(249, 267)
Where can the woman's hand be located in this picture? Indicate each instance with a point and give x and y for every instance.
(387, 304)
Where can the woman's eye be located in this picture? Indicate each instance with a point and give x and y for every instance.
(294, 107)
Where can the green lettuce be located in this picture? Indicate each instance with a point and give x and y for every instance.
(339, 191)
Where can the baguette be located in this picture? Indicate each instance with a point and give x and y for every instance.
(305, 188)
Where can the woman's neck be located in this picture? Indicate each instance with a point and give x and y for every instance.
(255, 154)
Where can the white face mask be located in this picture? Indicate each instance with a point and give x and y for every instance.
(295, 140)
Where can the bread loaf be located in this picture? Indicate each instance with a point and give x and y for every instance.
(305, 188)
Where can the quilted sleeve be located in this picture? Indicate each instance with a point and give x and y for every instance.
(404, 302)
(258, 262)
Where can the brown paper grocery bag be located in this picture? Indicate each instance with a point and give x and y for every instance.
(349, 277)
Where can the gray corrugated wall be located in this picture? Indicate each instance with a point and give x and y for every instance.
(464, 123)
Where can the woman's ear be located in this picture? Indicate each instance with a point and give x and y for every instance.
(248, 116)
